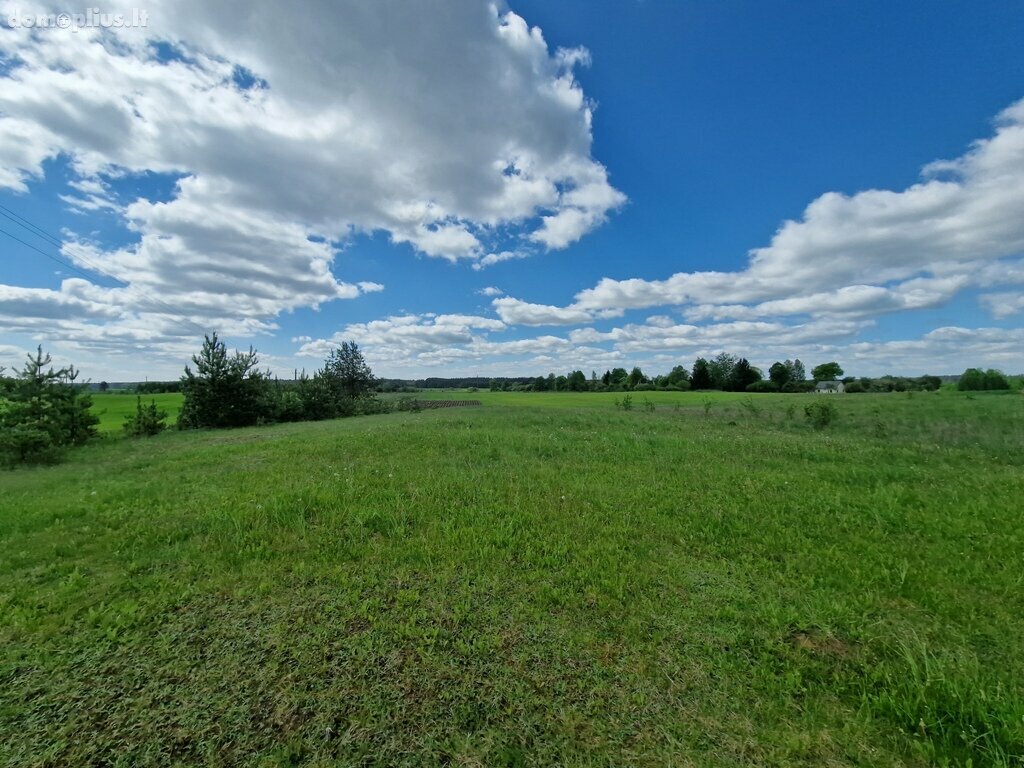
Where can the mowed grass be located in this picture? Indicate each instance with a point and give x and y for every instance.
(113, 407)
(709, 584)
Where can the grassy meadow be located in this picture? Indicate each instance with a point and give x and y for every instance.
(544, 580)
(113, 407)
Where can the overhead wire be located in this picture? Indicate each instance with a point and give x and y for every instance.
(76, 253)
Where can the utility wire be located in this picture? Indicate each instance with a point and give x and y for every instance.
(53, 240)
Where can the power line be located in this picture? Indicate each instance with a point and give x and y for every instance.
(50, 256)
(55, 241)
(52, 240)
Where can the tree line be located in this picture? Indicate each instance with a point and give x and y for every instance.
(44, 410)
(723, 372)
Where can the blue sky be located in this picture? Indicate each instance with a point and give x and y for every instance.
(516, 189)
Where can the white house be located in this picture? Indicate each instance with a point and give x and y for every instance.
(830, 388)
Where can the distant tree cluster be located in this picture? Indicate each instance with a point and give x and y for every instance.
(42, 412)
(152, 387)
(725, 372)
(893, 384)
(977, 380)
(229, 390)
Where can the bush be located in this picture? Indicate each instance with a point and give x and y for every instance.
(798, 386)
(42, 412)
(855, 387)
(976, 380)
(224, 391)
(821, 413)
(763, 386)
(147, 420)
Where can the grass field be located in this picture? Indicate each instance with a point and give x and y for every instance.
(113, 407)
(542, 581)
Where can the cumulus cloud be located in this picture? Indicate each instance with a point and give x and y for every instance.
(1004, 303)
(490, 291)
(516, 312)
(461, 150)
(868, 253)
(374, 127)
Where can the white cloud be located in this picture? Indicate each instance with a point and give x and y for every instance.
(374, 128)
(490, 291)
(516, 312)
(496, 258)
(871, 252)
(1003, 304)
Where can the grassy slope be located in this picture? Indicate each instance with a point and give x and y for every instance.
(526, 586)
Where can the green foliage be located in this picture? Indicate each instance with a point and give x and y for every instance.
(346, 372)
(677, 377)
(225, 390)
(791, 371)
(798, 387)
(701, 377)
(741, 376)
(976, 380)
(636, 377)
(720, 370)
(762, 386)
(827, 372)
(625, 404)
(148, 420)
(43, 412)
(821, 413)
(228, 390)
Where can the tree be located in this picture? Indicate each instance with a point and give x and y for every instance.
(636, 376)
(43, 411)
(721, 370)
(976, 380)
(791, 371)
(225, 390)
(677, 376)
(346, 370)
(701, 376)
(104, 386)
(779, 374)
(148, 420)
(577, 381)
(827, 372)
(743, 374)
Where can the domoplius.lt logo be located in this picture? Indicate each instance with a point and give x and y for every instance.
(91, 18)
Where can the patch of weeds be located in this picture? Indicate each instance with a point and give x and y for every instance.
(952, 712)
(821, 413)
(750, 407)
(878, 426)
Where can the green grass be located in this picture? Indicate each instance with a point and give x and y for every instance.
(113, 407)
(527, 584)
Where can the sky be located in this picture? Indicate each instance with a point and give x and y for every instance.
(477, 188)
